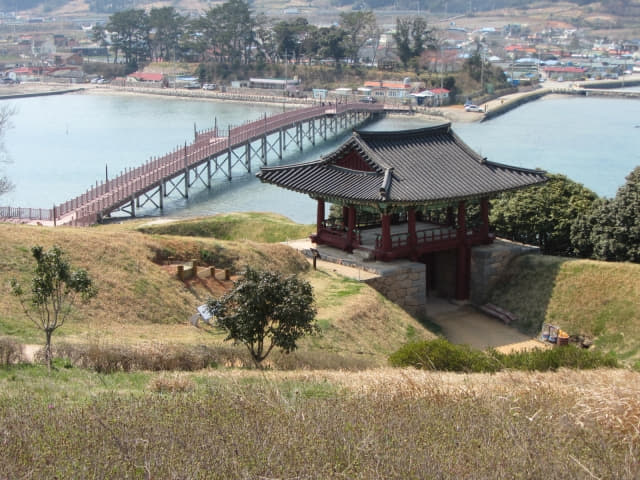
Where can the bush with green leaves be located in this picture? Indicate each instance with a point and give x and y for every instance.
(610, 229)
(266, 310)
(542, 215)
(442, 355)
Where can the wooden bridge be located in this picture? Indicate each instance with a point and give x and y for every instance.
(210, 155)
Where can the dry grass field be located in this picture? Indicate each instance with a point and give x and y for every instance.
(374, 424)
(141, 302)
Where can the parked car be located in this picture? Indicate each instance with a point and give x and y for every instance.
(473, 108)
(209, 86)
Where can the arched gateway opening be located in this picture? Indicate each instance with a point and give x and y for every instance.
(420, 195)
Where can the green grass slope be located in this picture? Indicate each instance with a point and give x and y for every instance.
(597, 299)
(259, 227)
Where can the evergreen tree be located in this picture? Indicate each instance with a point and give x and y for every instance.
(542, 215)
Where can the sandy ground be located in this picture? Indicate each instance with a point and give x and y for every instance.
(463, 324)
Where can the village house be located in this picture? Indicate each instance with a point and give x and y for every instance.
(147, 78)
(392, 89)
(565, 73)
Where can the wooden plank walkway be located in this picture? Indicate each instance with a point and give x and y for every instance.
(155, 176)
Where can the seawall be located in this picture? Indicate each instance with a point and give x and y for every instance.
(600, 87)
(41, 94)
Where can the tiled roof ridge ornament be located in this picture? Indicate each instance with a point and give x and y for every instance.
(386, 183)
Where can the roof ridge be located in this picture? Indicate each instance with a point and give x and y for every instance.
(470, 151)
(402, 133)
(513, 167)
(317, 161)
(370, 156)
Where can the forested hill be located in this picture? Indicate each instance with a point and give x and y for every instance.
(618, 7)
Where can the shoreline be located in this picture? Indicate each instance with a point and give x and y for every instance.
(453, 113)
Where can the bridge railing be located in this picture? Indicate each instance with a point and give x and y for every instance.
(109, 192)
(20, 213)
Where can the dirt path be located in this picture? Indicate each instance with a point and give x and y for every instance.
(29, 351)
(463, 324)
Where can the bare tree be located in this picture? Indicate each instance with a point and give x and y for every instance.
(5, 116)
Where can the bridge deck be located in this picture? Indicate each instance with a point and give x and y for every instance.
(120, 191)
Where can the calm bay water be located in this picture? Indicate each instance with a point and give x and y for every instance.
(60, 145)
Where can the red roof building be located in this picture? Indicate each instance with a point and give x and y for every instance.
(146, 77)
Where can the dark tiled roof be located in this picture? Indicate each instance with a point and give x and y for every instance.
(427, 165)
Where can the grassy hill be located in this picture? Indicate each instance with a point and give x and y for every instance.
(598, 299)
(141, 302)
(246, 423)
(259, 227)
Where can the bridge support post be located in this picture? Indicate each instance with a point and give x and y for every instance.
(313, 132)
(161, 194)
(186, 173)
(280, 144)
(247, 156)
(209, 173)
(133, 206)
(324, 128)
(229, 164)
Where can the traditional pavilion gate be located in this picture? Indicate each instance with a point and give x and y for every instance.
(390, 183)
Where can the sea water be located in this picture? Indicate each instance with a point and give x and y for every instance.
(60, 145)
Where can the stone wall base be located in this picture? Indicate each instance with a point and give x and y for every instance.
(489, 262)
(403, 283)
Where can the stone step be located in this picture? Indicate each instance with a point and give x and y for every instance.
(363, 255)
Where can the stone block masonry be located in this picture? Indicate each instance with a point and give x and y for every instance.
(403, 283)
(489, 262)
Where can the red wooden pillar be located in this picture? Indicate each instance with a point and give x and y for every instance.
(386, 232)
(462, 219)
(411, 223)
(463, 261)
(320, 215)
(484, 216)
(351, 226)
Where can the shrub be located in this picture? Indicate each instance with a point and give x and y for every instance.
(10, 351)
(441, 355)
(555, 358)
(109, 358)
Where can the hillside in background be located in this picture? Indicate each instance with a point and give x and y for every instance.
(623, 9)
